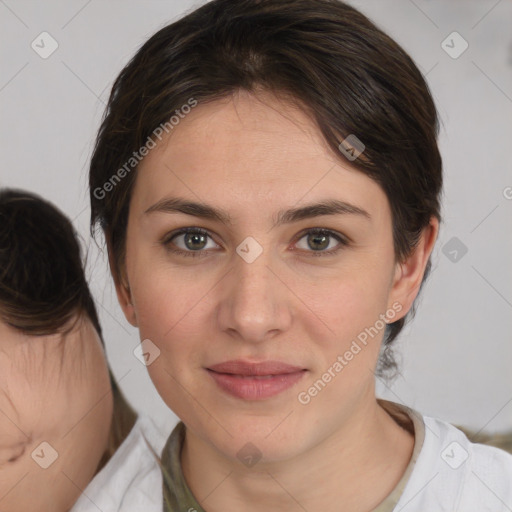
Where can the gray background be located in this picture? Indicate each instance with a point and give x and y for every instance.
(456, 355)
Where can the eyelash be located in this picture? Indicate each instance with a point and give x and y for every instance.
(201, 253)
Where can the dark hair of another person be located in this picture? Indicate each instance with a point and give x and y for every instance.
(323, 55)
(43, 290)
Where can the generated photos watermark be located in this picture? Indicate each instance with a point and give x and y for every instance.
(305, 397)
(137, 156)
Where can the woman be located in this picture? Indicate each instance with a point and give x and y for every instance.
(62, 416)
(268, 180)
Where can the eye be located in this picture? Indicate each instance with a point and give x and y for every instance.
(319, 239)
(12, 454)
(193, 242)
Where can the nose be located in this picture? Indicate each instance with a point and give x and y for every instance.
(256, 303)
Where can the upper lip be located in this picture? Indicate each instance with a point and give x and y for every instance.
(239, 367)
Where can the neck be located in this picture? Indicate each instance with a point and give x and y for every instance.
(354, 470)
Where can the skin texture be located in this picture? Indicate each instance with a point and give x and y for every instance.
(53, 389)
(253, 156)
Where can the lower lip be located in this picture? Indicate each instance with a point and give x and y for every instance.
(255, 388)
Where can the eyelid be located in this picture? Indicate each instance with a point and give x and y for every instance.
(9, 454)
(331, 232)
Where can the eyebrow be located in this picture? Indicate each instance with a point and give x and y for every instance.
(205, 211)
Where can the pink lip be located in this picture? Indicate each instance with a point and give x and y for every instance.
(255, 381)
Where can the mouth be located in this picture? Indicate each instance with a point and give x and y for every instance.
(255, 381)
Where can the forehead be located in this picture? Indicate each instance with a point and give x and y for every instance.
(247, 148)
(18, 349)
(29, 368)
(39, 375)
(245, 128)
(41, 363)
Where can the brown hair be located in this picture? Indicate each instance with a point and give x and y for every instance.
(43, 289)
(338, 66)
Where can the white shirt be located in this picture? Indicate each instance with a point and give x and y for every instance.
(447, 473)
(131, 481)
(453, 474)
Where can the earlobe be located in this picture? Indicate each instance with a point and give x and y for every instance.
(124, 297)
(123, 292)
(409, 274)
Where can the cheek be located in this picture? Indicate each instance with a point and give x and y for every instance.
(350, 301)
(351, 305)
(167, 307)
(76, 402)
(174, 311)
(24, 486)
(76, 429)
(87, 443)
(86, 420)
(167, 298)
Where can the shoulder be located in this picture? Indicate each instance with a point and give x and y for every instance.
(454, 474)
(458, 451)
(132, 477)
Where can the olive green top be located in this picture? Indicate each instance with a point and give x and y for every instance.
(179, 498)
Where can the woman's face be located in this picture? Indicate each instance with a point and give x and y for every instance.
(257, 288)
(55, 415)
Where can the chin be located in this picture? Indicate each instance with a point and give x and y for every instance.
(266, 438)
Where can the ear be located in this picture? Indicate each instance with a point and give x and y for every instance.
(124, 295)
(408, 275)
